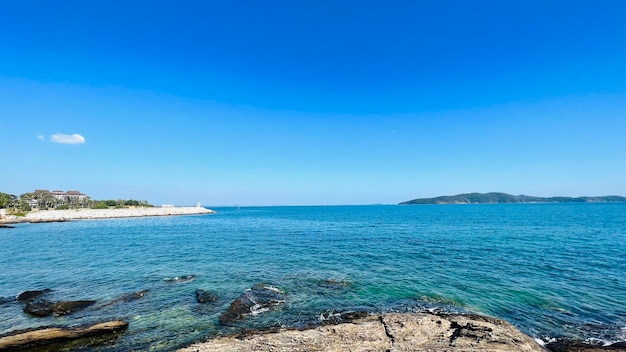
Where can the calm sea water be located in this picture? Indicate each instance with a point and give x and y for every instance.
(550, 269)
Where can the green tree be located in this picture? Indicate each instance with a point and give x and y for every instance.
(8, 201)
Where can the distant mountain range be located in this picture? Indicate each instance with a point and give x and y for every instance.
(494, 197)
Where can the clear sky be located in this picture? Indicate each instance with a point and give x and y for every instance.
(312, 102)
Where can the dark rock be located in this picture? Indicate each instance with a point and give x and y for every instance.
(3, 226)
(257, 299)
(68, 307)
(39, 308)
(203, 296)
(133, 296)
(30, 295)
(185, 278)
(26, 340)
(331, 318)
(569, 345)
(4, 300)
(129, 297)
(43, 308)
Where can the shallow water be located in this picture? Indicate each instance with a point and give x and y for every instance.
(550, 269)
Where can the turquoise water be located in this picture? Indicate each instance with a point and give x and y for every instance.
(550, 269)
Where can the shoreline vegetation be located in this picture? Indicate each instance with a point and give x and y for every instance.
(86, 214)
(500, 198)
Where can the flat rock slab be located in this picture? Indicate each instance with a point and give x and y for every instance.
(28, 339)
(391, 332)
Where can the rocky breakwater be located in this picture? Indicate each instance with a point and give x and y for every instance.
(388, 332)
(82, 214)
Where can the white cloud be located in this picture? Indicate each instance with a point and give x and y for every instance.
(67, 138)
(41, 137)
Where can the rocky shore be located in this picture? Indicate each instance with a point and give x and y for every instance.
(347, 331)
(83, 214)
(388, 332)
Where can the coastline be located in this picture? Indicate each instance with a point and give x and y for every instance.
(386, 332)
(87, 214)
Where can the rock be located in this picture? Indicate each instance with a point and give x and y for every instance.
(30, 295)
(4, 300)
(39, 307)
(567, 345)
(390, 332)
(180, 279)
(68, 307)
(455, 332)
(129, 297)
(43, 308)
(258, 299)
(20, 340)
(203, 296)
(3, 226)
(133, 296)
(331, 284)
(342, 317)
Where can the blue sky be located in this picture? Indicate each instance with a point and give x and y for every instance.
(320, 102)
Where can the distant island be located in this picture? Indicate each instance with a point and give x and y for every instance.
(495, 198)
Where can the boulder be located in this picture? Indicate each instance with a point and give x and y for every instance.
(39, 307)
(22, 340)
(390, 332)
(68, 307)
(43, 308)
(568, 345)
(31, 295)
(258, 299)
(203, 296)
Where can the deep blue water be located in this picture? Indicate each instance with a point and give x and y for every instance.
(550, 269)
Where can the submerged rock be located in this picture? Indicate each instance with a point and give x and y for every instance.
(203, 296)
(4, 300)
(179, 279)
(133, 296)
(44, 308)
(332, 284)
(391, 332)
(23, 340)
(30, 295)
(129, 297)
(258, 299)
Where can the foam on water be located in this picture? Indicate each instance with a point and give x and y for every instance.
(553, 270)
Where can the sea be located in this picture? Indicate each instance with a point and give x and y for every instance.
(552, 270)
